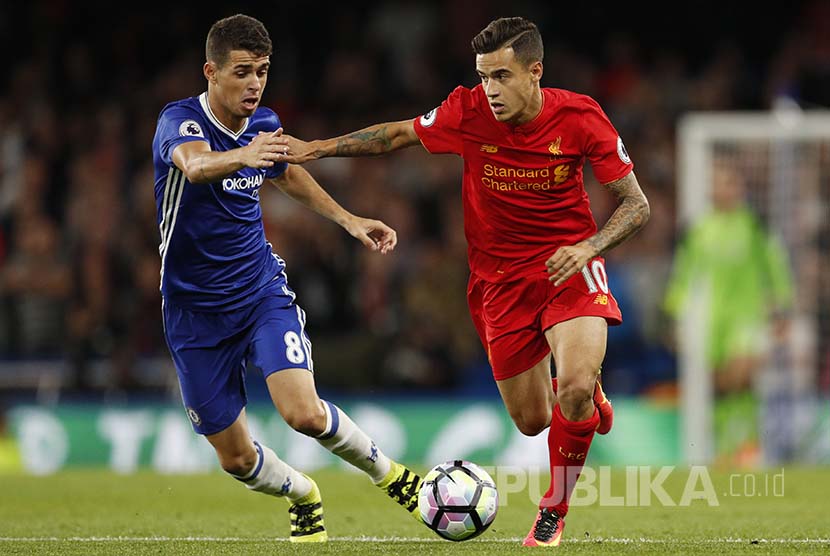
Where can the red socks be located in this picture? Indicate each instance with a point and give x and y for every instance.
(568, 442)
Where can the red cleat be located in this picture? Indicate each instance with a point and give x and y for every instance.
(606, 410)
(547, 531)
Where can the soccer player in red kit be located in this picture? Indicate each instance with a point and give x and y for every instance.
(538, 285)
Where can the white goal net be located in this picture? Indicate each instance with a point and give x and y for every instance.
(754, 382)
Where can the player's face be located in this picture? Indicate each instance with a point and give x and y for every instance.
(512, 88)
(727, 187)
(237, 86)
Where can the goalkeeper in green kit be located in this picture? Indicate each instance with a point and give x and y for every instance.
(746, 273)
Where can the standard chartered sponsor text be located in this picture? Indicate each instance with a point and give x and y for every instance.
(491, 172)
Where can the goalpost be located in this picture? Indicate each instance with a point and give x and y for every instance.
(785, 157)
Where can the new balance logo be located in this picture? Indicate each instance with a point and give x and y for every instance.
(601, 299)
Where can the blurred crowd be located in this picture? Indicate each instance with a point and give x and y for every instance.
(79, 99)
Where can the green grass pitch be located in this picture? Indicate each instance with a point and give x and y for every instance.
(98, 512)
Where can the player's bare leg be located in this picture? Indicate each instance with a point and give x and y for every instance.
(261, 470)
(295, 397)
(529, 398)
(578, 347)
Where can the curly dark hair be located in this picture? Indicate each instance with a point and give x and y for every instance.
(237, 32)
(517, 32)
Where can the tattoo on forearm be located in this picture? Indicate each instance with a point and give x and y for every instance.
(376, 141)
(631, 215)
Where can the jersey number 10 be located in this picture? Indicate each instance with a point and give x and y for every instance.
(596, 279)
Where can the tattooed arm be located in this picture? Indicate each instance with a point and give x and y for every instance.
(373, 140)
(631, 214)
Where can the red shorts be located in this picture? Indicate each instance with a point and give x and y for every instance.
(511, 317)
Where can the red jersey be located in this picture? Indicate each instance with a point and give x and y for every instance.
(523, 190)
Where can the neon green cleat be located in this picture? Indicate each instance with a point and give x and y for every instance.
(306, 515)
(403, 485)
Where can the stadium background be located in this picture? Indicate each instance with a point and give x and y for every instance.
(79, 99)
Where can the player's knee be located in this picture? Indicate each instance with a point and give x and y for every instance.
(238, 463)
(531, 423)
(574, 394)
(308, 420)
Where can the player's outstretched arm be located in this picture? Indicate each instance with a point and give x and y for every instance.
(202, 165)
(298, 184)
(373, 140)
(630, 215)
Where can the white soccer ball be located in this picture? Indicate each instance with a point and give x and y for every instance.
(458, 500)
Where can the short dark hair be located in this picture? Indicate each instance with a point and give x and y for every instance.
(517, 32)
(237, 32)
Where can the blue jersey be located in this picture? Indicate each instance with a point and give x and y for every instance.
(214, 255)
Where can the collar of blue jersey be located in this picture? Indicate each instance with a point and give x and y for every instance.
(203, 100)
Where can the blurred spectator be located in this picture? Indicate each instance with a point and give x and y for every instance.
(102, 270)
(35, 283)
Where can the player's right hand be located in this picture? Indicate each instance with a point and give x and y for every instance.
(263, 150)
(568, 260)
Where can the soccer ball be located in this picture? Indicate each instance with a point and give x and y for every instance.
(458, 500)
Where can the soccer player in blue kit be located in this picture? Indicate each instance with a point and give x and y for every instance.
(226, 303)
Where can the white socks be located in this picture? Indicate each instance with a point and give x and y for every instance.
(344, 438)
(273, 476)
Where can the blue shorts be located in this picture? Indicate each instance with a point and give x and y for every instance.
(212, 351)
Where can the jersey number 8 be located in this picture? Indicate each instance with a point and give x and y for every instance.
(293, 348)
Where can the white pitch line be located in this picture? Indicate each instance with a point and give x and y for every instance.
(610, 540)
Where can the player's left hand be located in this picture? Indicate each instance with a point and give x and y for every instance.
(374, 234)
(569, 260)
(293, 150)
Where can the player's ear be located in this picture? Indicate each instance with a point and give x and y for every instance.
(209, 70)
(536, 70)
